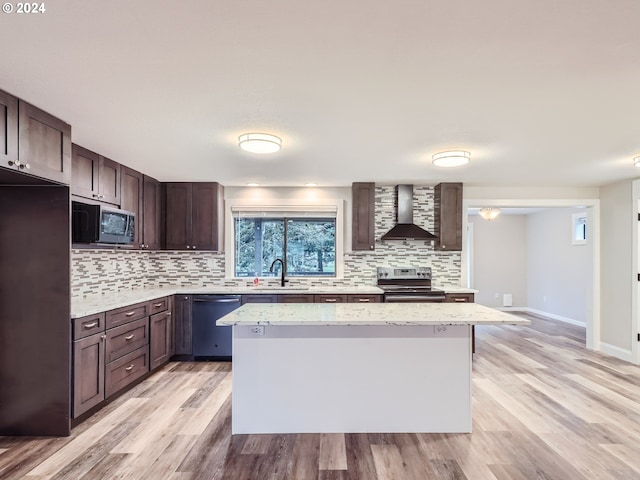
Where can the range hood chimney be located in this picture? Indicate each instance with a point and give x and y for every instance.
(405, 228)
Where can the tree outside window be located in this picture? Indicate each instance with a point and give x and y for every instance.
(307, 245)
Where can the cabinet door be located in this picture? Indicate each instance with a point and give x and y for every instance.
(182, 325)
(293, 298)
(259, 298)
(178, 216)
(44, 143)
(131, 182)
(151, 219)
(459, 297)
(109, 181)
(448, 216)
(363, 216)
(8, 129)
(85, 166)
(330, 298)
(364, 298)
(206, 216)
(160, 341)
(88, 373)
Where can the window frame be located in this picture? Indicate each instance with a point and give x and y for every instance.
(328, 206)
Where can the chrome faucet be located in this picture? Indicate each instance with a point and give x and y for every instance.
(282, 270)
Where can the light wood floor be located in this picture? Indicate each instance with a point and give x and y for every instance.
(543, 408)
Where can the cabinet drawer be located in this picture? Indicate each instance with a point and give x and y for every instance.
(364, 298)
(125, 370)
(126, 338)
(459, 297)
(124, 315)
(158, 305)
(89, 325)
(330, 298)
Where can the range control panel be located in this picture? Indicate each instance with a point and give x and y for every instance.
(404, 273)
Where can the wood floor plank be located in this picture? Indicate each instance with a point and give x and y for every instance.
(627, 454)
(306, 457)
(388, 462)
(333, 452)
(209, 408)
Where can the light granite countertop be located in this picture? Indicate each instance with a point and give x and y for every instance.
(90, 305)
(351, 314)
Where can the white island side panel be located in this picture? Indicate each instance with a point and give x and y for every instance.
(323, 379)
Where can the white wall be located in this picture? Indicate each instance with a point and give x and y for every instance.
(559, 274)
(499, 259)
(618, 219)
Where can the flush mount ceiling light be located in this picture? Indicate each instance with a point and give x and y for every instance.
(253, 184)
(310, 184)
(259, 142)
(489, 213)
(636, 161)
(452, 158)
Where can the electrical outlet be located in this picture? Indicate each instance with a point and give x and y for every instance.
(440, 329)
(256, 330)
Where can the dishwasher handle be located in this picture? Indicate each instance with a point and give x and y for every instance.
(217, 300)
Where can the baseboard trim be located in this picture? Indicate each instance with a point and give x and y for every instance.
(621, 353)
(540, 313)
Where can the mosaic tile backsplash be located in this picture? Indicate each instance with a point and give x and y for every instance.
(105, 271)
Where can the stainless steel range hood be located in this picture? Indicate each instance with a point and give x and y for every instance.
(405, 228)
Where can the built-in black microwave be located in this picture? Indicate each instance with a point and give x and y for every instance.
(101, 224)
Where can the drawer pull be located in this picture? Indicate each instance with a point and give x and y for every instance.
(158, 304)
(129, 337)
(90, 325)
(364, 300)
(129, 368)
(128, 314)
(330, 300)
(460, 300)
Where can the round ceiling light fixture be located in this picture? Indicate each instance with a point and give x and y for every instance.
(259, 142)
(636, 161)
(451, 158)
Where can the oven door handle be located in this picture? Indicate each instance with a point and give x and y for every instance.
(414, 298)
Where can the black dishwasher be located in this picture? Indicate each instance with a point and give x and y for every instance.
(210, 341)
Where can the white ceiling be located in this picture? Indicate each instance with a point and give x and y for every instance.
(541, 92)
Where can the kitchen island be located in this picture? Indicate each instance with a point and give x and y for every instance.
(388, 367)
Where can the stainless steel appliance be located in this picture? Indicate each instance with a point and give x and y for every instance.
(211, 341)
(408, 284)
(101, 224)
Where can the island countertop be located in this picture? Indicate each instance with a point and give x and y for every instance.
(350, 314)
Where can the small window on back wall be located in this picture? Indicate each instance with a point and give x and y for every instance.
(579, 228)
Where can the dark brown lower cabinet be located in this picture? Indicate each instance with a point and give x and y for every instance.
(328, 298)
(125, 370)
(294, 298)
(182, 319)
(88, 372)
(161, 328)
(464, 298)
(258, 298)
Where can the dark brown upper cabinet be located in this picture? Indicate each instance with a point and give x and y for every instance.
(194, 216)
(34, 142)
(363, 216)
(94, 176)
(44, 144)
(448, 216)
(8, 130)
(151, 216)
(132, 197)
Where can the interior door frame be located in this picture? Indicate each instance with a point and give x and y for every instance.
(593, 219)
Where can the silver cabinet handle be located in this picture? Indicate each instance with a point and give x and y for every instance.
(24, 165)
(129, 368)
(364, 300)
(158, 304)
(129, 337)
(330, 300)
(128, 314)
(89, 325)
